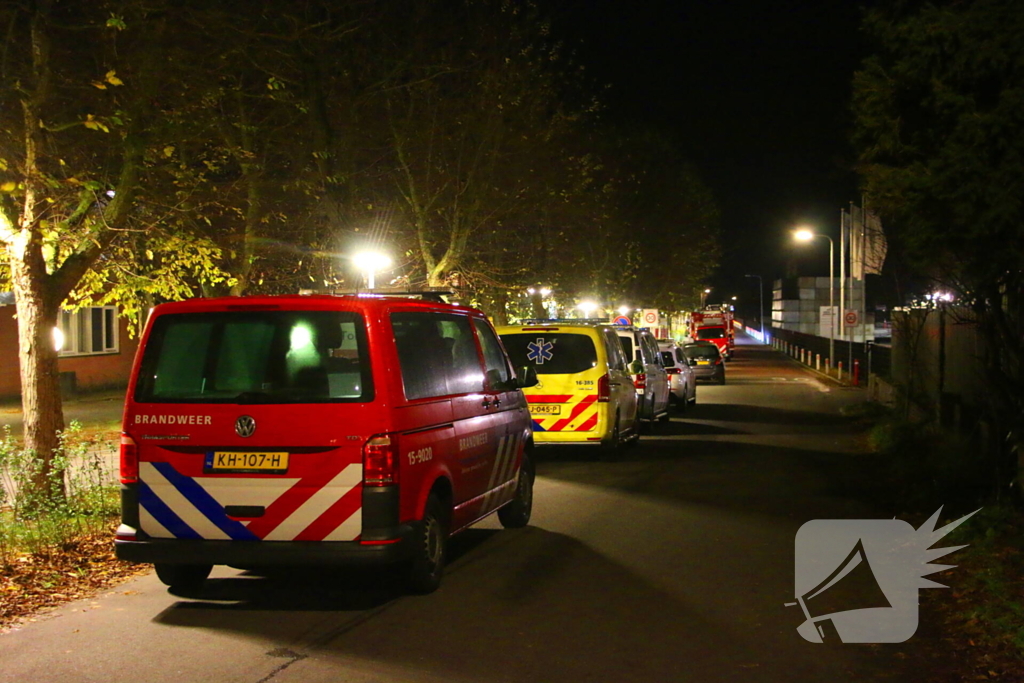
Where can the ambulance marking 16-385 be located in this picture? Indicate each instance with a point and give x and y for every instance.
(421, 455)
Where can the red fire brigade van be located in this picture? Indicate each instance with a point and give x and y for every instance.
(318, 430)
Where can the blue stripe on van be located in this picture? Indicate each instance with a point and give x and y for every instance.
(205, 503)
(537, 427)
(163, 514)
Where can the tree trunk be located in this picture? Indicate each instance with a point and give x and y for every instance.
(40, 383)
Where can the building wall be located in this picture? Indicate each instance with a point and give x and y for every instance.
(797, 303)
(92, 372)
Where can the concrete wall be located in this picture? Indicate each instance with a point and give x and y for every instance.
(797, 302)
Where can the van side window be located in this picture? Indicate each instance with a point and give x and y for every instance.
(495, 366)
(437, 354)
(614, 351)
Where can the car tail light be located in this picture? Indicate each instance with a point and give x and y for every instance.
(640, 381)
(129, 460)
(718, 361)
(380, 461)
(604, 389)
(673, 371)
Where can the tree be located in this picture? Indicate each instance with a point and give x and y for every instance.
(939, 129)
(79, 84)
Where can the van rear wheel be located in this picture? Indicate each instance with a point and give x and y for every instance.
(183, 576)
(517, 513)
(430, 548)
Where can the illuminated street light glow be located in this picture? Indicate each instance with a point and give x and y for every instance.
(370, 262)
(587, 307)
(545, 291)
(624, 310)
(531, 290)
(806, 235)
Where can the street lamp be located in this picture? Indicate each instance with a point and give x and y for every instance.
(760, 291)
(587, 307)
(370, 262)
(704, 296)
(806, 235)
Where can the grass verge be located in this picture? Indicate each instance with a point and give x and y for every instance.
(55, 540)
(983, 610)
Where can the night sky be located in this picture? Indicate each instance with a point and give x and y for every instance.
(757, 93)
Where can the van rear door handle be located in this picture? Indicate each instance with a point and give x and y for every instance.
(487, 402)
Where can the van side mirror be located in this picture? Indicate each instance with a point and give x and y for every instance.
(636, 367)
(527, 377)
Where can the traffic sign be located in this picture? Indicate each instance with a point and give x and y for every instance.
(850, 318)
(622, 320)
(650, 316)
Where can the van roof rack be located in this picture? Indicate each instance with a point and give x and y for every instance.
(437, 294)
(565, 321)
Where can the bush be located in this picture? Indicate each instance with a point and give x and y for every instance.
(80, 501)
(931, 467)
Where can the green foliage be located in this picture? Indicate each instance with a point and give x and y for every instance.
(34, 520)
(940, 133)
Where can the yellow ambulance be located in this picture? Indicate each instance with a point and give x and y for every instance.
(585, 395)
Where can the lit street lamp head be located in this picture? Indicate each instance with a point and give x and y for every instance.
(803, 235)
(371, 261)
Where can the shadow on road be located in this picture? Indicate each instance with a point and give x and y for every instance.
(735, 412)
(749, 478)
(311, 588)
(531, 604)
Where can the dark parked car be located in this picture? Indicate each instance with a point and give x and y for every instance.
(706, 361)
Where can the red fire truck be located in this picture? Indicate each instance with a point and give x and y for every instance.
(714, 325)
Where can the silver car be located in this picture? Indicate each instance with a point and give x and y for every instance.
(706, 361)
(682, 383)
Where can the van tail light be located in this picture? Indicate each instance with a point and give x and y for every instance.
(640, 381)
(673, 371)
(718, 361)
(604, 389)
(129, 460)
(380, 461)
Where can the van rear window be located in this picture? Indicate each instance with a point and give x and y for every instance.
(551, 353)
(256, 357)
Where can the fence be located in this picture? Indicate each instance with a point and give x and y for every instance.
(872, 358)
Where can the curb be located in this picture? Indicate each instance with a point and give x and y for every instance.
(831, 380)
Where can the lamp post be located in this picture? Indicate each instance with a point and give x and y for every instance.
(760, 291)
(704, 296)
(370, 262)
(806, 235)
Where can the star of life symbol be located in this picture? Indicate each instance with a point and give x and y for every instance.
(540, 351)
(857, 580)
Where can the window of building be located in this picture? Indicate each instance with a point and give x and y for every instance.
(88, 331)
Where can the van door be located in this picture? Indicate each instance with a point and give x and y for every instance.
(623, 392)
(511, 415)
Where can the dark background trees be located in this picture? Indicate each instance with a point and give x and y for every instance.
(940, 135)
(156, 150)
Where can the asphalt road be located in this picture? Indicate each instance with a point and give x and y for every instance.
(671, 564)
